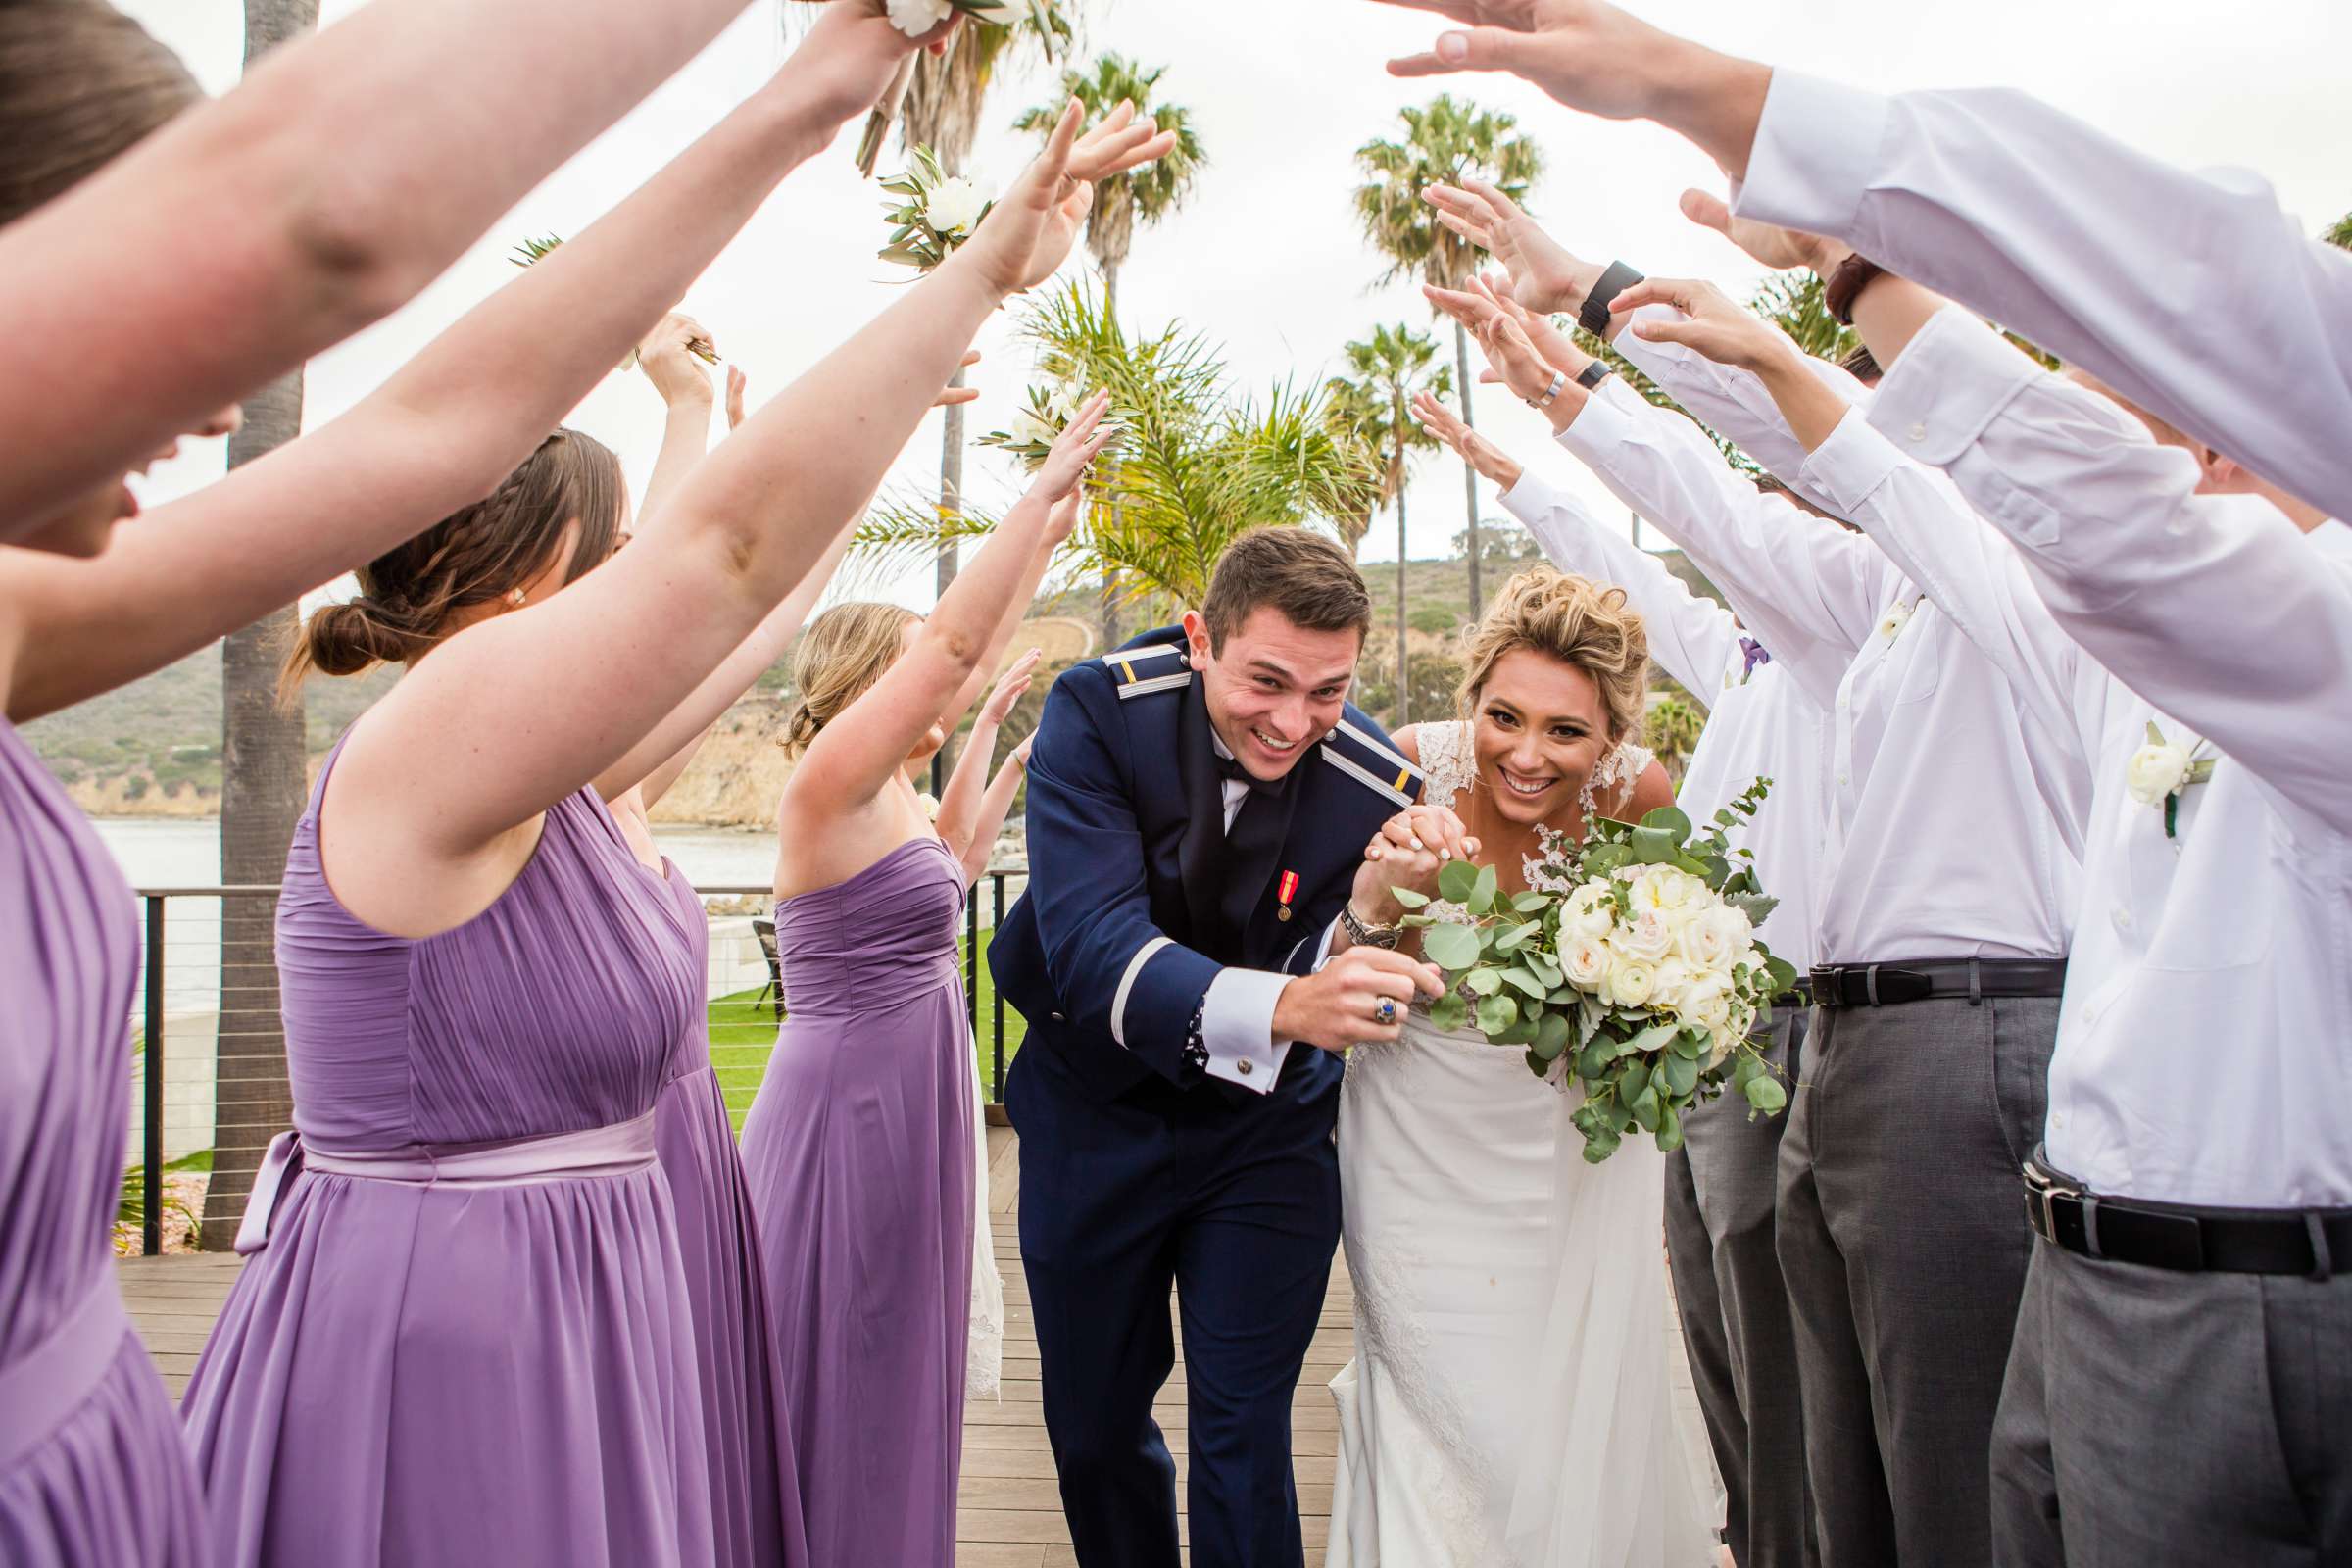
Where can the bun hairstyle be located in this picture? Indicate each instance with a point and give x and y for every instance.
(80, 83)
(841, 656)
(410, 596)
(1576, 622)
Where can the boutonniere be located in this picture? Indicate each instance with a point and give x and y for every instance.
(936, 213)
(930, 805)
(2163, 770)
(1892, 625)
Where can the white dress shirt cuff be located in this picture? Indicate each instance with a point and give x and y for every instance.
(1531, 500)
(1949, 386)
(1817, 149)
(1237, 1025)
(1599, 428)
(1851, 464)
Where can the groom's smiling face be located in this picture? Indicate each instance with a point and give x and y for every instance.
(1274, 688)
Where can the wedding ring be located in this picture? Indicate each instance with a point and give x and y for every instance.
(1386, 1013)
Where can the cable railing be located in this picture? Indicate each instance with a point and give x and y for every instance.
(209, 1052)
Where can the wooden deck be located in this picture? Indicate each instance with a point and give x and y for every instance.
(1008, 1513)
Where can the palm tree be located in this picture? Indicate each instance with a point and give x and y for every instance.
(263, 763)
(2339, 232)
(1198, 463)
(1446, 143)
(1390, 368)
(1142, 195)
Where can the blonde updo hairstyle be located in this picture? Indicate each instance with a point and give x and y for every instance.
(841, 653)
(1576, 622)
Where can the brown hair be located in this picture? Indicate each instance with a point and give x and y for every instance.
(1308, 578)
(80, 83)
(1576, 622)
(841, 656)
(409, 594)
(1862, 365)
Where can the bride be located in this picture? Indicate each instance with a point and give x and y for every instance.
(1508, 1401)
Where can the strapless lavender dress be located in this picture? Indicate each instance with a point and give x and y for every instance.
(466, 1336)
(755, 1491)
(93, 1471)
(859, 1148)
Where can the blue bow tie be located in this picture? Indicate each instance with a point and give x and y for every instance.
(1755, 652)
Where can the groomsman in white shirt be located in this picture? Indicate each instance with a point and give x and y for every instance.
(1949, 884)
(1731, 1299)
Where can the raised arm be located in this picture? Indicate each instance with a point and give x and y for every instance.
(994, 807)
(963, 805)
(1694, 639)
(866, 746)
(451, 423)
(329, 188)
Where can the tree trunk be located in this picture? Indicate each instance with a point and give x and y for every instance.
(1461, 361)
(1110, 579)
(263, 758)
(1403, 707)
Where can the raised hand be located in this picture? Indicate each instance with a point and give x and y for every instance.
(1343, 1004)
(1029, 232)
(1409, 851)
(1769, 243)
(669, 359)
(1713, 325)
(1544, 276)
(1008, 688)
(1507, 346)
(1490, 460)
(1081, 441)
(1117, 144)
(852, 55)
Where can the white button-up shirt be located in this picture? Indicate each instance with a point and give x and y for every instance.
(2191, 294)
(2204, 1047)
(1760, 724)
(1952, 833)
(1236, 1017)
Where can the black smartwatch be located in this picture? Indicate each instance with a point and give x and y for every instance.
(1594, 316)
(1591, 375)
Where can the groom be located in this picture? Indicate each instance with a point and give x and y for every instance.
(1200, 803)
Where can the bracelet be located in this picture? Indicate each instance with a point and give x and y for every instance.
(1594, 374)
(1845, 283)
(1559, 379)
(1368, 936)
(1593, 314)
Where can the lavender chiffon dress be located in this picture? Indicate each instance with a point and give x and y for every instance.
(754, 1493)
(464, 1334)
(93, 1471)
(859, 1148)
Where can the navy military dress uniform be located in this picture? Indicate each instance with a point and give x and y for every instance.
(1139, 1168)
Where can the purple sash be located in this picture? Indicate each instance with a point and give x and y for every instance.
(49, 1382)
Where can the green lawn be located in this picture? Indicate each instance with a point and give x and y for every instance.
(743, 1031)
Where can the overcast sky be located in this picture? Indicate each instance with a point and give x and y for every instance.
(1267, 258)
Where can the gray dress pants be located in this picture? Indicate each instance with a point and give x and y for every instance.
(1720, 1198)
(1903, 1241)
(2154, 1419)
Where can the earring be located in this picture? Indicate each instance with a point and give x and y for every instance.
(517, 598)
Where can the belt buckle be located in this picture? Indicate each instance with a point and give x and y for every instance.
(1828, 984)
(2045, 1186)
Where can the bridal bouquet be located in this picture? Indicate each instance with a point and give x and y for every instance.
(1629, 969)
(935, 213)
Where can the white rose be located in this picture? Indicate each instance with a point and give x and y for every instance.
(957, 203)
(1675, 979)
(1027, 427)
(1628, 982)
(1719, 939)
(1585, 961)
(1590, 913)
(1647, 936)
(2157, 771)
(1666, 887)
(915, 18)
(1700, 941)
(1707, 1002)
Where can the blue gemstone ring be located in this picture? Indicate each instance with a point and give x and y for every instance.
(1386, 1013)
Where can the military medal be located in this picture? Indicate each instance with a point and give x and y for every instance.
(1285, 891)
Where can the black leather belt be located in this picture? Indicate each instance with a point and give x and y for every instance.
(2183, 1239)
(1799, 995)
(1883, 985)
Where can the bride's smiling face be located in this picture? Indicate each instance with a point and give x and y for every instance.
(1538, 730)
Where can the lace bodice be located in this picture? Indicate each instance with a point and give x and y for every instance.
(1448, 767)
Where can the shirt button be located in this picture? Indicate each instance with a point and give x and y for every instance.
(1919, 432)
(1243, 1066)
(1058, 1019)
(2123, 918)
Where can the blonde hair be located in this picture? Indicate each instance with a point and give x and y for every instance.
(841, 656)
(1576, 622)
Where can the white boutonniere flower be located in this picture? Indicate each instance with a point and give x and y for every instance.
(930, 805)
(934, 214)
(915, 18)
(1892, 625)
(1033, 430)
(2161, 772)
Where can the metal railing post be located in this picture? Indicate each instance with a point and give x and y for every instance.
(151, 1238)
(996, 998)
(971, 962)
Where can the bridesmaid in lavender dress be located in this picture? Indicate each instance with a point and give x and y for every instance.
(861, 1144)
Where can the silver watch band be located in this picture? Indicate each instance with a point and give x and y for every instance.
(1369, 936)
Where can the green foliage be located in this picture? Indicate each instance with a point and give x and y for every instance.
(1434, 620)
(915, 239)
(1671, 729)
(1138, 196)
(1371, 407)
(1434, 678)
(1636, 1065)
(1446, 142)
(2339, 232)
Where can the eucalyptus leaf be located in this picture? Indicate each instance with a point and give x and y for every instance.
(1482, 891)
(1680, 1074)
(1633, 1082)
(1607, 859)
(1758, 906)
(1496, 1014)
(1552, 1036)
(1449, 1011)
(1669, 820)
(1688, 1043)
(1653, 846)
(1519, 1034)
(1530, 903)
(1670, 1130)
(1409, 898)
(1765, 1093)
(1456, 880)
(1450, 946)
(1783, 973)
(1644, 1107)
(1520, 977)
(1485, 982)
(1593, 1058)
(1745, 1069)
(1598, 1147)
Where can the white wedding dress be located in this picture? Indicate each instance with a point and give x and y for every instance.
(1509, 1402)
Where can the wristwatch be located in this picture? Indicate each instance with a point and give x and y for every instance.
(1845, 283)
(1591, 375)
(1593, 317)
(1369, 936)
